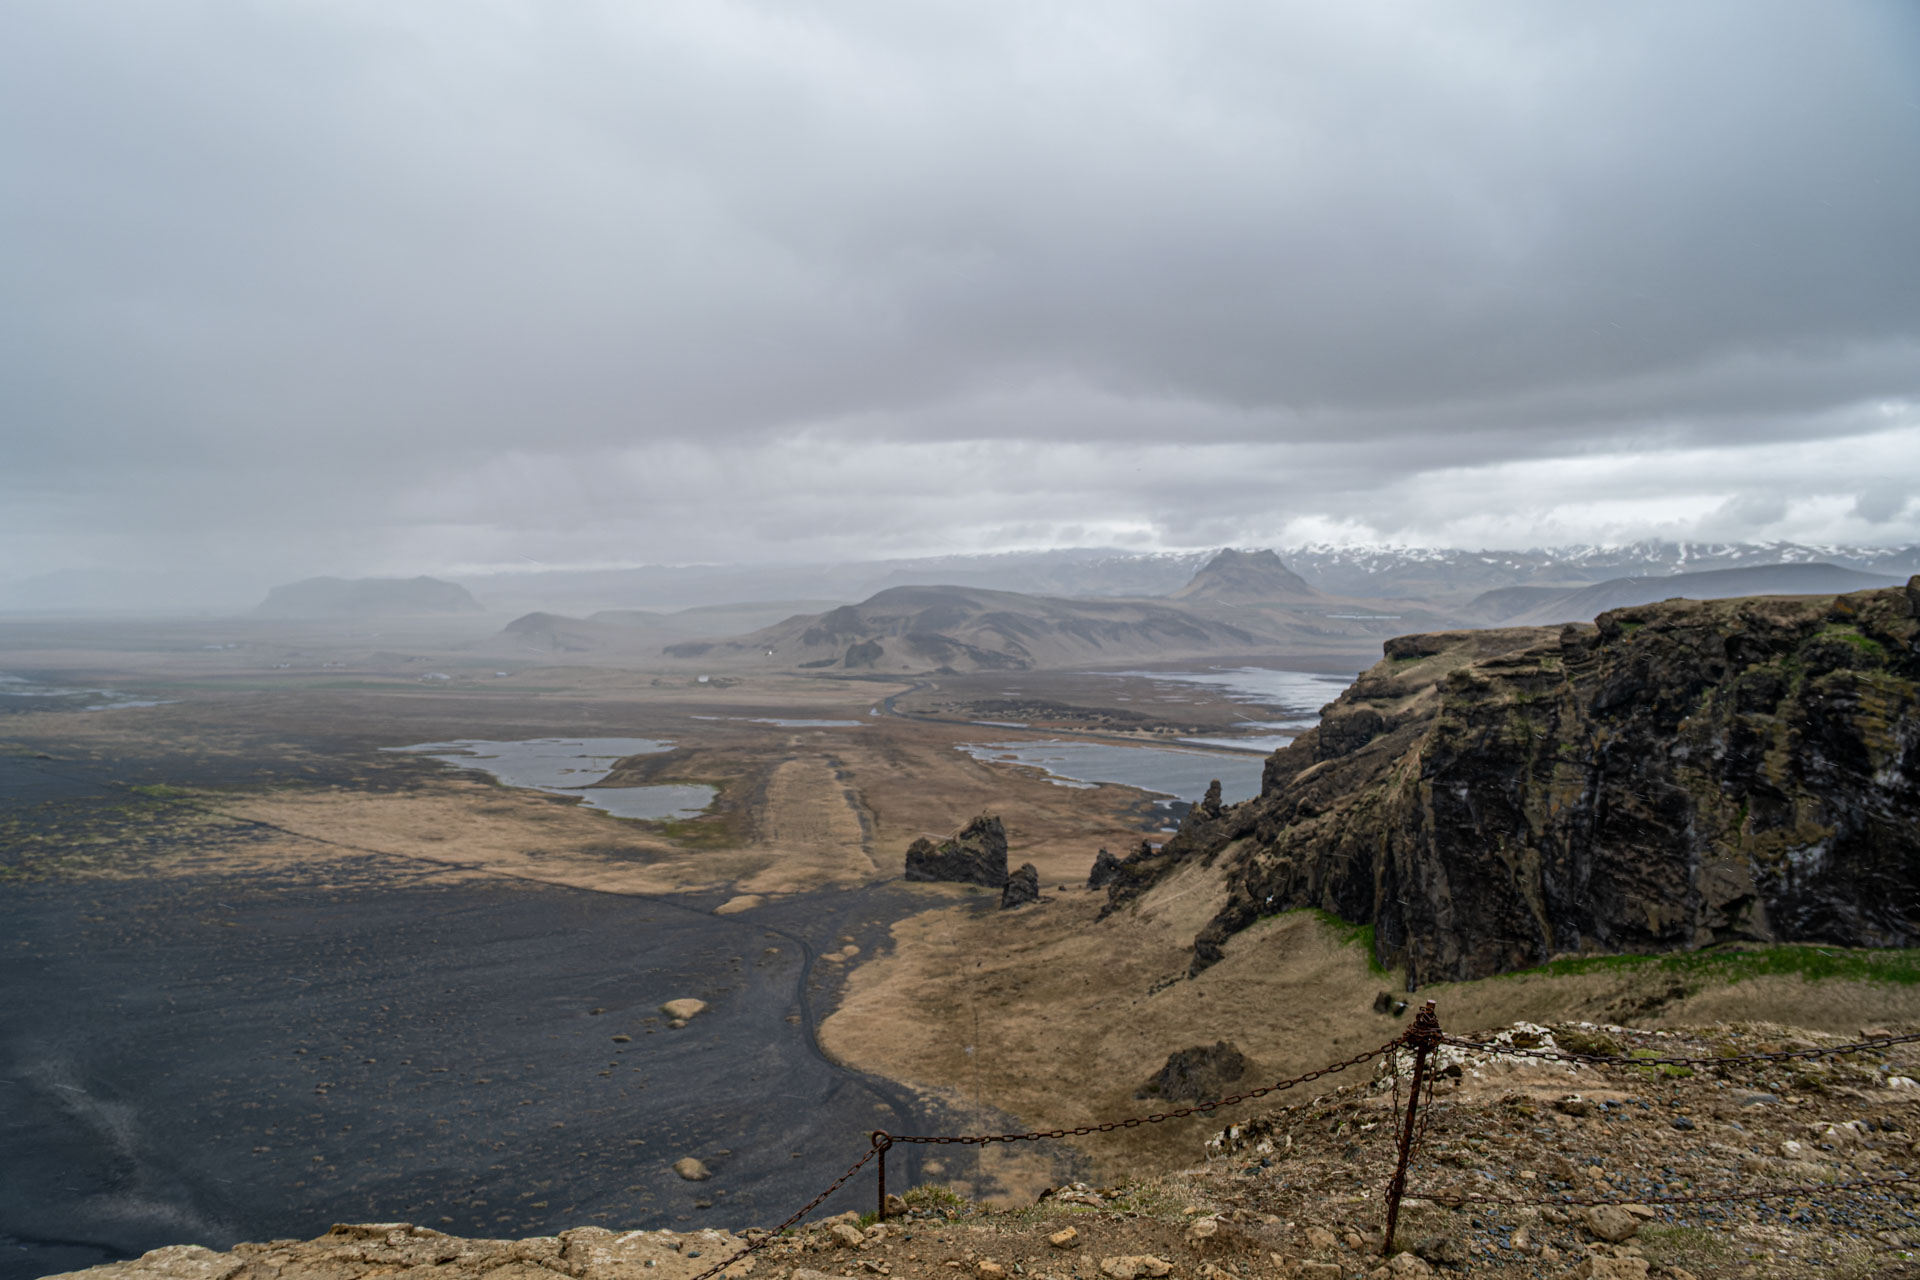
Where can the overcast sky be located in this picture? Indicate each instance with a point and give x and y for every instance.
(350, 286)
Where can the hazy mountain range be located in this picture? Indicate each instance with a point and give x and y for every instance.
(1438, 575)
(1237, 603)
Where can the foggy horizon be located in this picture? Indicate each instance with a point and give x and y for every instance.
(353, 291)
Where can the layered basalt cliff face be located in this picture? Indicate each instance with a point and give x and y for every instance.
(1674, 776)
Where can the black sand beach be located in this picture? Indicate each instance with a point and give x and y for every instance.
(218, 1060)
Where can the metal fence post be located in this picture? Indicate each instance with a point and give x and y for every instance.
(1423, 1037)
(881, 1141)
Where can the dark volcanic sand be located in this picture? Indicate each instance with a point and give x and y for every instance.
(216, 1060)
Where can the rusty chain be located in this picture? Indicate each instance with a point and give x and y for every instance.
(1801, 1189)
(882, 1140)
(757, 1245)
(1199, 1108)
(1601, 1059)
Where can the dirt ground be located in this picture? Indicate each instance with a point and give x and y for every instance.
(1059, 1019)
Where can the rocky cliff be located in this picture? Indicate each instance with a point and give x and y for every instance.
(1674, 776)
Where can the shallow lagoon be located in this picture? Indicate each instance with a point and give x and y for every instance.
(1296, 695)
(17, 692)
(571, 766)
(1165, 771)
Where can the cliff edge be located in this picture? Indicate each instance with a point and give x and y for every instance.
(1673, 776)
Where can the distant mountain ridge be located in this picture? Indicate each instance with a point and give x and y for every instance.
(1536, 606)
(949, 628)
(1438, 574)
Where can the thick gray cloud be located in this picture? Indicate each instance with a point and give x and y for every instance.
(344, 286)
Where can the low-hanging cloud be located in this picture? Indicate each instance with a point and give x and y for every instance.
(360, 287)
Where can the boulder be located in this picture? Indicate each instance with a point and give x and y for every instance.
(976, 855)
(691, 1169)
(683, 1009)
(1105, 868)
(1022, 887)
(1610, 1222)
(1199, 1074)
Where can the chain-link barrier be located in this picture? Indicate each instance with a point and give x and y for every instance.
(1423, 1037)
(1157, 1117)
(882, 1140)
(754, 1246)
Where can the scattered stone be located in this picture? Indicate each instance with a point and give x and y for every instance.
(1021, 888)
(691, 1169)
(1610, 1222)
(1318, 1271)
(1574, 1105)
(1448, 1251)
(1132, 1266)
(1618, 1268)
(675, 1024)
(683, 1009)
(623, 1039)
(1321, 1238)
(1199, 1074)
(1068, 1239)
(740, 902)
(1105, 868)
(896, 1207)
(1202, 1228)
(1388, 1003)
(977, 855)
(846, 1235)
(1408, 1266)
(990, 1271)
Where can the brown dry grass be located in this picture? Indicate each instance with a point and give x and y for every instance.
(1056, 1018)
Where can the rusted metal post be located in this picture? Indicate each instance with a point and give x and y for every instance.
(1423, 1037)
(881, 1141)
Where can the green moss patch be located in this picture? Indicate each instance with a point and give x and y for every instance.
(1812, 963)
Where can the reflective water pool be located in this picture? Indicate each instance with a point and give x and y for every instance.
(570, 766)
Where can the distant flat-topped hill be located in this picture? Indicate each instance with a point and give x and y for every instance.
(633, 633)
(1536, 606)
(366, 598)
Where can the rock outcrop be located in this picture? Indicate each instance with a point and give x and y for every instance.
(1199, 1074)
(1022, 887)
(1677, 775)
(977, 855)
(1105, 868)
